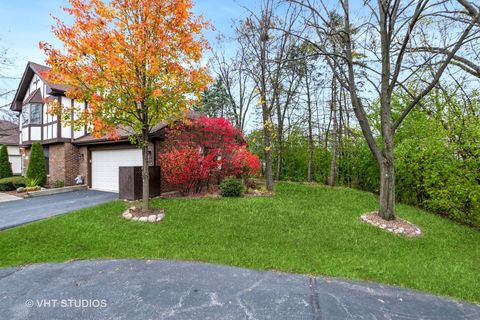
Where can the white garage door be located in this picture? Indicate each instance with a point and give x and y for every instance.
(105, 166)
(16, 162)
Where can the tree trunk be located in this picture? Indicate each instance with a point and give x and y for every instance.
(386, 165)
(387, 187)
(267, 150)
(387, 190)
(278, 173)
(332, 177)
(310, 131)
(145, 173)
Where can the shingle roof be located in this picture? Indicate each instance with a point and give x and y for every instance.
(8, 133)
(34, 97)
(40, 71)
(32, 69)
(122, 133)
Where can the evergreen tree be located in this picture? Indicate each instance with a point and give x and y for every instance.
(215, 101)
(36, 166)
(5, 165)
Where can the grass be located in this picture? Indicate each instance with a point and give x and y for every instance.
(307, 229)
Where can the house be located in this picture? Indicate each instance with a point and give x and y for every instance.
(71, 152)
(9, 136)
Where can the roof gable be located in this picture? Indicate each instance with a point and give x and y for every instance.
(31, 70)
(34, 97)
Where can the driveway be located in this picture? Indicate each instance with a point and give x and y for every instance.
(140, 289)
(15, 213)
(4, 197)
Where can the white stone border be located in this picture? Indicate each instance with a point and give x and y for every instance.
(153, 218)
(393, 229)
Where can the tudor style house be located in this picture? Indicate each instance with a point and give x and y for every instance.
(68, 152)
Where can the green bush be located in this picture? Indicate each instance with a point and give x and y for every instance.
(58, 184)
(31, 182)
(5, 165)
(36, 165)
(12, 183)
(441, 177)
(231, 187)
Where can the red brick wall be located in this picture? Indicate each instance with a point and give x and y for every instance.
(64, 163)
(83, 163)
(72, 163)
(56, 155)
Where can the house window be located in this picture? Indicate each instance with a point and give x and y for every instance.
(32, 114)
(35, 113)
(25, 115)
(47, 158)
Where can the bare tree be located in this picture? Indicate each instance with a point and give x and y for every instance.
(265, 49)
(6, 63)
(287, 79)
(380, 57)
(233, 72)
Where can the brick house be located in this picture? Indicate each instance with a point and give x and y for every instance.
(71, 152)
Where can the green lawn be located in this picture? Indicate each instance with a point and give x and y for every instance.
(306, 229)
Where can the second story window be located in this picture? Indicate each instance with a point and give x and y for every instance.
(35, 113)
(32, 114)
(25, 115)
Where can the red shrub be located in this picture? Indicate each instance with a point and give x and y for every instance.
(199, 150)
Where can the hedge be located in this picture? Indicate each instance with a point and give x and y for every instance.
(12, 183)
(36, 165)
(5, 165)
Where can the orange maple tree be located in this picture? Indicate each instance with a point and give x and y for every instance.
(136, 63)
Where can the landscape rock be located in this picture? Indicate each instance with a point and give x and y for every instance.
(396, 226)
(129, 214)
(21, 189)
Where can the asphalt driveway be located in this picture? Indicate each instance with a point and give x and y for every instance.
(15, 213)
(143, 289)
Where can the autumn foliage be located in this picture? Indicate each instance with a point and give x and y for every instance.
(205, 150)
(136, 62)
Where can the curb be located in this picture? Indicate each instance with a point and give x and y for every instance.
(49, 192)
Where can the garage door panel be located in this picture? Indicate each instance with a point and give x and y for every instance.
(105, 166)
(16, 162)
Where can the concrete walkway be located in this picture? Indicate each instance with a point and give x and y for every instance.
(139, 289)
(5, 197)
(15, 213)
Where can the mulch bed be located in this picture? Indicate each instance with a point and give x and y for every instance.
(396, 226)
(137, 212)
